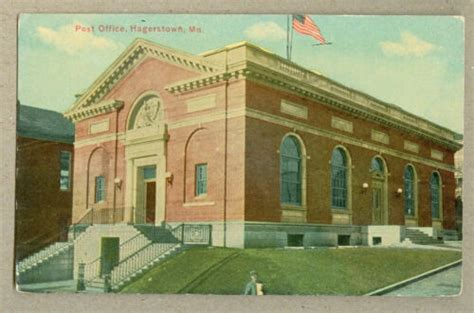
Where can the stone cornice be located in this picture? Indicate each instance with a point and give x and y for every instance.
(260, 65)
(324, 93)
(129, 59)
(196, 83)
(101, 108)
(431, 132)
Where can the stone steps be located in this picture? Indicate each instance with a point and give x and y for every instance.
(156, 233)
(418, 237)
(168, 251)
(43, 256)
(96, 283)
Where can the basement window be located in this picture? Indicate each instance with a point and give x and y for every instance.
(376, 241)
(295, 240)
(344, 240)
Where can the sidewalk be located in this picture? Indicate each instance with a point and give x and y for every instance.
(447, 245)
(56, 286)
(446, 283)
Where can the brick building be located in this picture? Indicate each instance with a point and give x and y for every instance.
(458, 175)
(43, 179)
(267, 152)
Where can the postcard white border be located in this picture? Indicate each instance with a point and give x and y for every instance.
(12, 301)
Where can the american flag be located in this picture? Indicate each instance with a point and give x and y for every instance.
(303, 24)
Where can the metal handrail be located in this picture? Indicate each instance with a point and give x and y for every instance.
(124, 273)
(174, 230)
(149, 257)
(88, 210)
(43, 254)
(148, 253)
(102, 216)
(88, 265)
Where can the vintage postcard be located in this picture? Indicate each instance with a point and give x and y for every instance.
(291, 154)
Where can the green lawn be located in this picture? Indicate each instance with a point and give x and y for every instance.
(352, 271)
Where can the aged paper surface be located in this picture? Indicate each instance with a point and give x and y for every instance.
(146, 117)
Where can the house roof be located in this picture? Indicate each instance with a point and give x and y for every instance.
(44, 125)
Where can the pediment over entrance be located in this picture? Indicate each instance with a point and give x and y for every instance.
(134, 55)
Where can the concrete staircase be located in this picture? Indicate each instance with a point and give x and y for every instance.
(43, 256)
(96, 285)
(54, 263)
(420, 238)
(87, 247)
(141, 247)
(156, 234)
(137, 264)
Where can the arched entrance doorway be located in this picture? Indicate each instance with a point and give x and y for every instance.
(379, 191)
(145, 153)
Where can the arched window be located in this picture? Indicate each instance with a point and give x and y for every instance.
(435, 195)
(290, 171)
(409, 190)
(339, 179)
(377, 166)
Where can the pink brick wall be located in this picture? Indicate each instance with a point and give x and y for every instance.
(262, 185)
(205, 146)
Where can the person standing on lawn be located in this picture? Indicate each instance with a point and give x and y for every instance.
(254, 287)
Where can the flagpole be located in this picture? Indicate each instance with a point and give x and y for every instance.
(288, 54)
(291, 37)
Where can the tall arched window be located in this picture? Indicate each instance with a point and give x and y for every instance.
(339, 179)
(435, 195)
(409, 187)
(290, 171)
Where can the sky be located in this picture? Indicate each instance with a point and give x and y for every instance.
(415, 62)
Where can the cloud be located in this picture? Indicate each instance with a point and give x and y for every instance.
(270, 31)
(409, 45)
(71, 41)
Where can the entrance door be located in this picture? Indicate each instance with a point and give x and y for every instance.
(150, 202)
(109, 254)
(377, 203)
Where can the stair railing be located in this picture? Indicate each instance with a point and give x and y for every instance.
(132, 245)
(41, 255)
(137, 261)
(87, 217)
(102, 216)
(92, 270)
(178, 232)
(193, 234)
(128, 247)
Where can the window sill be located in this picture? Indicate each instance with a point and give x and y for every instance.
(193, 204)
(411, 217)
(341, 211)
(293, 207)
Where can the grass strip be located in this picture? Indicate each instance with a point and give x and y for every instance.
(207, 273)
